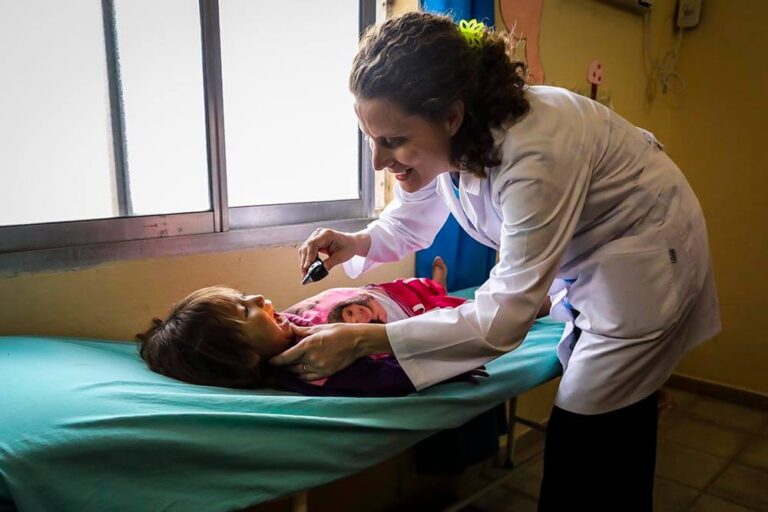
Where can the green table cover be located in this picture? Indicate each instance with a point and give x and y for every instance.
(85, 426)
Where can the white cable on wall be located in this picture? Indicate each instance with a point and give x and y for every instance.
(661, 71)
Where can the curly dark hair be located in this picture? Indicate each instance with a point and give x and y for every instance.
(202, 342)
(422, 63)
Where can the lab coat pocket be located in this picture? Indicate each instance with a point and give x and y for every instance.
(627, 294)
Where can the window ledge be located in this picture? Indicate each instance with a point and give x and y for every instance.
(83, 256)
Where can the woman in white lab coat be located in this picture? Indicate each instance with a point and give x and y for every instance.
(581, 205)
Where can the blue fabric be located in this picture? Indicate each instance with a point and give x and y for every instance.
(85, 426)
(469, 262)
(481, 10)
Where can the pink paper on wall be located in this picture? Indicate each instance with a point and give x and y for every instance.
(594, 77)
(522, 18)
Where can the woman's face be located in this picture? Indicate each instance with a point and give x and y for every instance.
(411, 147)
(268, 331)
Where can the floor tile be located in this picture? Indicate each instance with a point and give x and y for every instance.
(729, 415)
(708, 503)
(527, 480)
(743, 485)
(667, 419)
(705, 436)
(525, 449)
(687, 466)
(756, 454)
(683, 399)
(468, 483)
(669, 496)
(503, 500)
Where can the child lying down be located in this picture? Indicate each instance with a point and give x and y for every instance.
(218, 336)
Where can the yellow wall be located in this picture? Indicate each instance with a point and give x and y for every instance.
(117, 300)
(718, 136)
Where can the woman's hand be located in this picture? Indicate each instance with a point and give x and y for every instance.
(339, 247)
(326, 349)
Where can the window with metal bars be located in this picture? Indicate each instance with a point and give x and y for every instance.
(214, 123)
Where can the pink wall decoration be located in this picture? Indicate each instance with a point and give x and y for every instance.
(522, 19)
(594, 77)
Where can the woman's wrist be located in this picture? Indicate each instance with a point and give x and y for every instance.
(362, 243)
(371, 339)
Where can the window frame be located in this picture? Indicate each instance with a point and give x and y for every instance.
(68, 244)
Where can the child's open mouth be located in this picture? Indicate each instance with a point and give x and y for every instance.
(281, 322)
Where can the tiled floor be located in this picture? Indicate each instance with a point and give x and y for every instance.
(712, 457)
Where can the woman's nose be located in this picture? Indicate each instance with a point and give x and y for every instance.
(381, 158)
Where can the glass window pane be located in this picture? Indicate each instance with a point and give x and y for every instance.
(56, 140)
(55, 135)
(290, 127)
(163, 99)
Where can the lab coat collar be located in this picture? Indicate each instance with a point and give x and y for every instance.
(470, 183)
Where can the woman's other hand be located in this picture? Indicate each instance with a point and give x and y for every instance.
(326, 349)
(339, 247)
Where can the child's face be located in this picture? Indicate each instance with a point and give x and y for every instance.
(364, 313)
(269, 331)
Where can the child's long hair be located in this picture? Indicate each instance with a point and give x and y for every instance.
(202, 342)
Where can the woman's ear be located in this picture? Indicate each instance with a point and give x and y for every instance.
(454, 117)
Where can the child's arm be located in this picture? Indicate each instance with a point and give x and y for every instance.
(365, 377)
(371, 377)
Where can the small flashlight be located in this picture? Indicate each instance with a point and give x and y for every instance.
(316, 272)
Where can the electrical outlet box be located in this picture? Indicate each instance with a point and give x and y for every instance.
(688, 13)
(639, 6)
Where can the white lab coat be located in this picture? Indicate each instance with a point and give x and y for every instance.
(588, 208)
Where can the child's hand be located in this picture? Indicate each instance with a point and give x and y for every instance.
(471, 376)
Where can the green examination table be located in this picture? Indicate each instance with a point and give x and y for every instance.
(85, 426)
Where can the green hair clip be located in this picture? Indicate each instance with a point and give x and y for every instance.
(473, 32)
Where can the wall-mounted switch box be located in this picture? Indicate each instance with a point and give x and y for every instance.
(688, 13)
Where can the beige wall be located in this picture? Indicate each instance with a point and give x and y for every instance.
(117, 300)
(718, 136)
